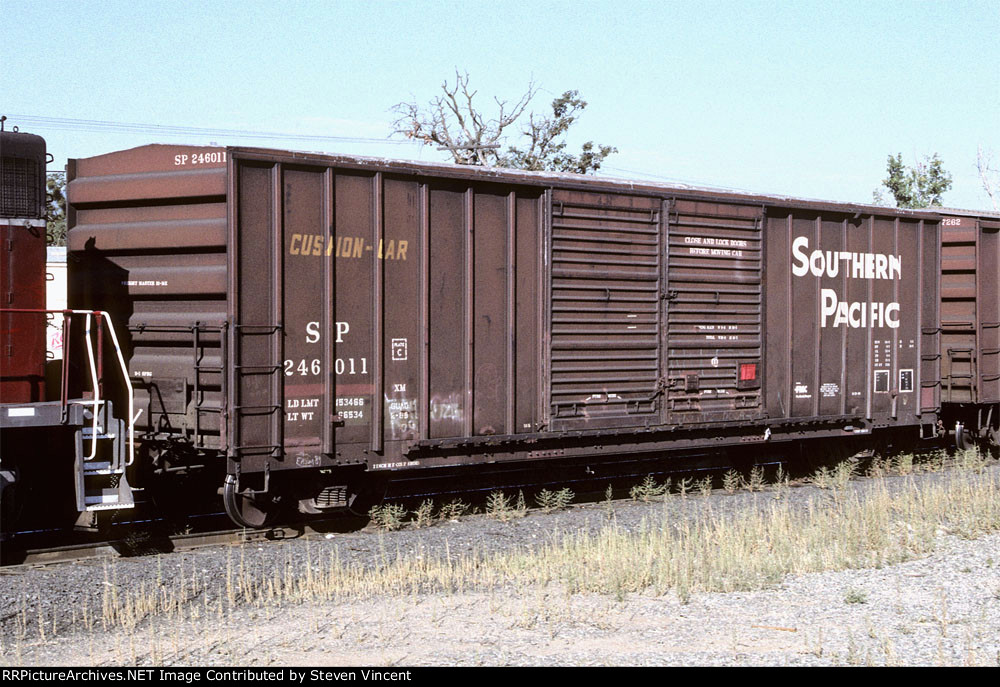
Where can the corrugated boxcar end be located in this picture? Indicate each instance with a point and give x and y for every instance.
(147, 243)
(970, 325)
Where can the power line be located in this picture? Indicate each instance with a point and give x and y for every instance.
(97, 125)
(675, 180)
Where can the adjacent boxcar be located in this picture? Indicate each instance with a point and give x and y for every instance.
(970, 324)
(317, 319)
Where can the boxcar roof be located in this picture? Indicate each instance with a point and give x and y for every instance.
(563, 179)
(516, 176)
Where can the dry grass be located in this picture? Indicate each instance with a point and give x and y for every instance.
(423, 516)
(504, 507)
(731, 481)
(389, 516)
(882, 523)
(453, 510)
(649, 489)
(548, 500)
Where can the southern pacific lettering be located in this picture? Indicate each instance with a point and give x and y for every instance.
(317, 245)
(870, 266)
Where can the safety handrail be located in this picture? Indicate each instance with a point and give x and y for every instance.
(95, 369)
(96, 401)
(128, 385)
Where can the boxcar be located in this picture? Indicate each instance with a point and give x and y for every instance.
(970, 325)
(311, 322)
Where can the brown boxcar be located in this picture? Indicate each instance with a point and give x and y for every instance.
(970, 323)
(316, 319)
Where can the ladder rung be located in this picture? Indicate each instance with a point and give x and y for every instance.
(109, 506)
(102, 468)
(103, 499)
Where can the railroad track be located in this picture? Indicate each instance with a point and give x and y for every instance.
(143, 543)
(152, 537)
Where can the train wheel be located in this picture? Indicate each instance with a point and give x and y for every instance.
(254, 511)
(961, 440)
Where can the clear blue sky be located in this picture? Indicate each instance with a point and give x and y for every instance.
(803, 98)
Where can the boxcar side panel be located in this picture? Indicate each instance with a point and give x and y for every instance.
(847, 301)
(305, 240)
(401, 254)
(390, 310)
(448, 284)
(349, 337)
(256, 317)
(491, 338)
(929, 351)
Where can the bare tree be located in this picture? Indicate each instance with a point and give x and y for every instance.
(988, 175)
(452, 122)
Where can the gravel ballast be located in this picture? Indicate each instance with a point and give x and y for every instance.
(942, 608)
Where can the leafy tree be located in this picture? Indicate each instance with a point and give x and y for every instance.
(920, 186)
(545, 148)
(454, 123)
(55, 220)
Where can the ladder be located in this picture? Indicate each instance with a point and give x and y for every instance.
(101, 457)
(961, 366)
(100, 471)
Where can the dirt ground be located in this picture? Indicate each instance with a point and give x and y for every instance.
(940, 610)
